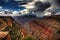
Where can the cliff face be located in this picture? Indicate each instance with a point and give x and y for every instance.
(41, 29)
(45, 28)
(15, 30)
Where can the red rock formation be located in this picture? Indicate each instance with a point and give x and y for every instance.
(10, 22)
(5, 36)
(44, 28)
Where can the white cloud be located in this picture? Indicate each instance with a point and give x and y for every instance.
(0, 7)
(6, 10)
(25, 11)
(47, 14)
(30, 5)
(42, 0)
(15, 12)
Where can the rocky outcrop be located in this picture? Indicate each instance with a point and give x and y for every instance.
(10, 25)
(5, 36)
(45, 28)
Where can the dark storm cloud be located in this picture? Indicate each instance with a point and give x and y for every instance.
(40, 6)
(56, 2)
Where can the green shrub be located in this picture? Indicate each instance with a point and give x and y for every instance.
(28, 38)
(13, 32)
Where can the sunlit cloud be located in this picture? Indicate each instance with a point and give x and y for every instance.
(25, 11)
(0, 7)
(47, 14)
(57, 13)
(42, 0)
(29, 5)
(15, 12)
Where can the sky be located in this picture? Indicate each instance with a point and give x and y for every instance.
(33, 5)
(40, 6)
(14, 4)
(11, 4)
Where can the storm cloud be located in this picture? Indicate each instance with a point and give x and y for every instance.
(40, 6)
(43, 5)
(56, 2)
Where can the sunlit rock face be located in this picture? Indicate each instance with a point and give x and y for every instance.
(7, 23)
(45, 28)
